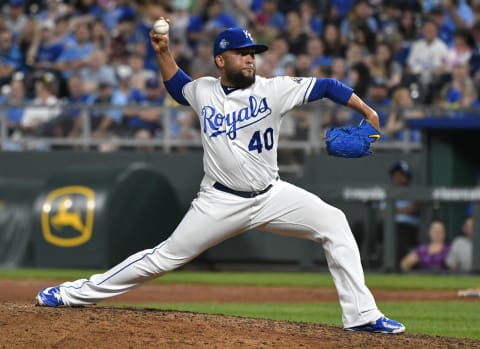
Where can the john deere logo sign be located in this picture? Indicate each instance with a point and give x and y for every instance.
(67, 216)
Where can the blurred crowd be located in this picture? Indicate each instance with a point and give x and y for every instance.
(400, 56)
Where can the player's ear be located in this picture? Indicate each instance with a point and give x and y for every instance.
(219, 61)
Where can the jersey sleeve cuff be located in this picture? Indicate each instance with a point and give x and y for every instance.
(175, 86)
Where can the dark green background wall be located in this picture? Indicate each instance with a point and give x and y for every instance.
(126, 223)
(142, 209)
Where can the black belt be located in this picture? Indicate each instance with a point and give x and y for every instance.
(243, 194)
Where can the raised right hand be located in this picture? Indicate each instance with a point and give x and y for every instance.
(159, 42)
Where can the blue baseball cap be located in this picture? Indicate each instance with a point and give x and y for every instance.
(236, 38)
(403, 167)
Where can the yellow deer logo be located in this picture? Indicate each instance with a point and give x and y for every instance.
(65, 218)
(68, 207)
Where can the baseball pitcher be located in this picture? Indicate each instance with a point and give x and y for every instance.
(240, 116)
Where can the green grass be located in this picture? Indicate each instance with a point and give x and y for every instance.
(384, 281)
(450, 319)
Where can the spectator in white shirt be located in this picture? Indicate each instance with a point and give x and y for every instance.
(460, 255)
(427, 54)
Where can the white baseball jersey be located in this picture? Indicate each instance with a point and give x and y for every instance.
(240, 130)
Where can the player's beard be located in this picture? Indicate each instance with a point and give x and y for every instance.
(238, 79)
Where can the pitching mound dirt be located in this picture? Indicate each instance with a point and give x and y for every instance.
(23, 325)
(27, 326)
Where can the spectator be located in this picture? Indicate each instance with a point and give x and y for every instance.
(143, 122)
(407, 212)
(400, 49)
(356, 54)
(63, 31)
(339, 9)
(407, 26)
(430, 256)
(122, 41)
(426, 59)
(45, 50)
(460, 92)
(202, 63)
(243, 11)
(185, 122)
(460, 256)
(101, 37)
(11, 58)
(303, 65)
(332, 41)
(402, 109)
(280, 48)
(359, 78)
(110, 12)
(44, 107)
(106, 115)
(295, 35)
(26, 40)
(53, 10)
(364, 37)
(388, 18)
(360, 17)
(445, 30)
(124, 74)
(378, 97)
(382, 65)
(406, 215)
(268, 64)
(311, 22)
(182, 55)
(317, 54)
(140, 75)
(62, 125)
(86, 10)
(270, 17)
(97, 70)
(209, 23)
(476, 10)
(475, 58)
(77, 55)
(461, 50)
(147, 13)
(460, 14)
(339, 69)
(180, 19)
(16, 19)
(15, 99)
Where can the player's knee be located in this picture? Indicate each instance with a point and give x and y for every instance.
(336, 215)
(332, 219)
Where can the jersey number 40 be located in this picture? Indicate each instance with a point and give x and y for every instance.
(256, 140)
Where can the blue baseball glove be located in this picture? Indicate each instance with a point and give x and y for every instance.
(351, 141)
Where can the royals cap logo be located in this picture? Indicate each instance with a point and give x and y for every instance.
(223, 44)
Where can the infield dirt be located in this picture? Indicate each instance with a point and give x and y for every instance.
(24, 325)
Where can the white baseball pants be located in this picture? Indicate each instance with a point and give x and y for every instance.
(215, 216)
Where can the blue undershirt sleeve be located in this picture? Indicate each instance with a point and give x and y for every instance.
(175, 85)
(331, 89)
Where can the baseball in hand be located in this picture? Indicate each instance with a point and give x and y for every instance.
(161, 26)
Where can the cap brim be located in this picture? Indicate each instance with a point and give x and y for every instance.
(259, 48)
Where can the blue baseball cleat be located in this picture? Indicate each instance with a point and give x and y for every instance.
(381, 325)
(50, 297)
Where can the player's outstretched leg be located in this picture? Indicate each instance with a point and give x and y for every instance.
(293, 211)
(207, 223)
